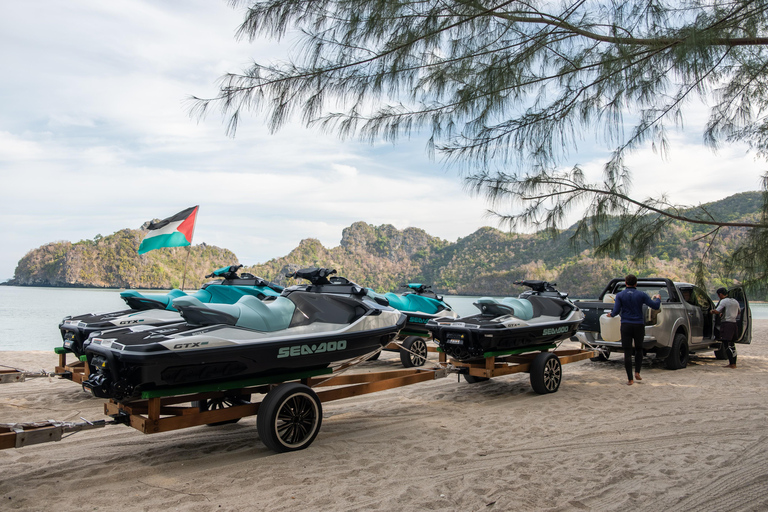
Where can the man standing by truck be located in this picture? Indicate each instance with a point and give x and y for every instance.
(728, 310)
(629, 304)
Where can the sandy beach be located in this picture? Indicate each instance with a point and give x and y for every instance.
(693, 439)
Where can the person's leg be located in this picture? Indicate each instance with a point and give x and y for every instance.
(729, 330)
(626, 346)
(639, 335)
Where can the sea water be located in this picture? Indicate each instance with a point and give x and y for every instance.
(30, 317)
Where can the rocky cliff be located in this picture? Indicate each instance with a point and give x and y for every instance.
(487, 262)
(112, 261)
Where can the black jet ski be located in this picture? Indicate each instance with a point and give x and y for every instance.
(507, 326)
(157, 309)
(307, 328)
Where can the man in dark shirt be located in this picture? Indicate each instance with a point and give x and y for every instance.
(629, 304)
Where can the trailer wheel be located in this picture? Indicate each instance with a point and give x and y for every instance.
(678, 354)
(215, 404)
(473, 379)
(289, 418)
(375, 356)
(546, 373)
(415, 353)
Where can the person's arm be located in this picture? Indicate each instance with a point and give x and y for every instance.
(652, 303)
(616, 306)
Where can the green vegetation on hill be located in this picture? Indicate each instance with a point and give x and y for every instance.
(113, 262)
(486, 262)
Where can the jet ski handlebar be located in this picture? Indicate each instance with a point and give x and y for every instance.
(538, 286)
(315, 275)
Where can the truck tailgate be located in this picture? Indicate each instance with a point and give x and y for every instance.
(593, 310)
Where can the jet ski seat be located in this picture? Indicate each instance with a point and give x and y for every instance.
(137, 300)
(248, 312)
(523, 307)
(412, 302)
(519, 308)
(210, 294)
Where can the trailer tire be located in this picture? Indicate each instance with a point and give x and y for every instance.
(678, 353)
(375, 356)
(546, 373)
(289, 417)
(473, 379)
(213, 404)
(415, 353)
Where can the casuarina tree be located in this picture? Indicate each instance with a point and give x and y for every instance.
(506, 91)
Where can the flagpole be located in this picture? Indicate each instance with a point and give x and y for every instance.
(184, 276)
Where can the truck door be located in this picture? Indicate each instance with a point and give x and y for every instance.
(744, 321)
(694, 313)
(707, 319)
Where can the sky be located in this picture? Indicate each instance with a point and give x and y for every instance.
(96, 136)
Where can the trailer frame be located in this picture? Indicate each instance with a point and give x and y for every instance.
(174, 409)
(543, 363)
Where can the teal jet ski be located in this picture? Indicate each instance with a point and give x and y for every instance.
(420, 305)
(157, 309)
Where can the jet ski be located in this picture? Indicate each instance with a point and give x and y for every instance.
(507, 326)
(157, 309)
(420, 304)
(306, 328)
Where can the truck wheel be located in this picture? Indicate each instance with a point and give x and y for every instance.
(415, 353)
(546, 373)
(678, 353)
(720, 353)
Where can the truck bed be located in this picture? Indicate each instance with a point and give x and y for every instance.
(592, 310)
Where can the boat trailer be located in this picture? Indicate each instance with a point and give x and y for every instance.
(289, 414)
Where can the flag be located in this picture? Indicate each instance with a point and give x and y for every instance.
(175, 231)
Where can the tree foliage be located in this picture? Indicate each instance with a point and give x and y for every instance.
(507, 90)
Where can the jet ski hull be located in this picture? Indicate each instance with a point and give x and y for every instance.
(506, 326)
(472, 338)
(190, 356)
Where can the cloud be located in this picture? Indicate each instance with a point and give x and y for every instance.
(96, 136)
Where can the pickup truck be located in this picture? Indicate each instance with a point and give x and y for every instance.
(683, 325)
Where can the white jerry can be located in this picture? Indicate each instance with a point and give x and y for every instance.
(610, 327)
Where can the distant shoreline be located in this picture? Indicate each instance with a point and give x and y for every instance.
(81, 287)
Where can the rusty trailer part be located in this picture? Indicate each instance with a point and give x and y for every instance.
(18, 435)
(17, 375)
